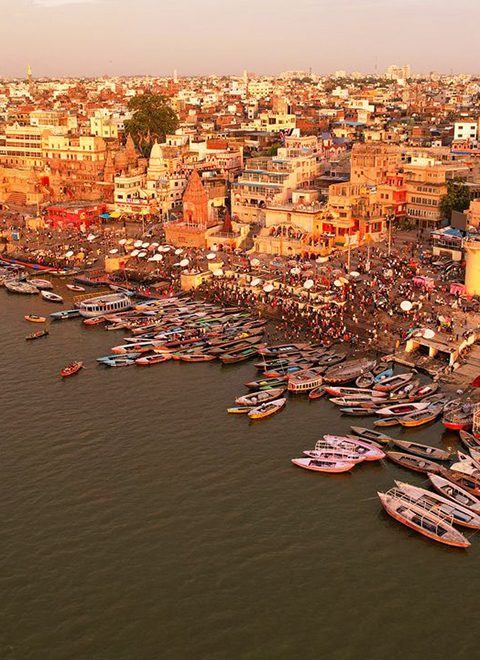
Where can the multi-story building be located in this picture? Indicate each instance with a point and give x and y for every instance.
(465, 130)
(21, 146)
(372, 163)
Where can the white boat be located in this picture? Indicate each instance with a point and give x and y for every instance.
(114, 302)
(75, 287)
(401, 409)
(323, 465)
(352, 444)
(40, 284)
(51, 297)
(15, 286)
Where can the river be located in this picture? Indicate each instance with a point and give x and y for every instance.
(140, 521)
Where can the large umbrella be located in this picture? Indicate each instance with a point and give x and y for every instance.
(113, 251)
(308, 284)
(178, 251)
(138, 244)
(268, 288)
(211, 255)
(406, 305)
(218, 272)
(256, 282)
(184, 262)
(134, 253)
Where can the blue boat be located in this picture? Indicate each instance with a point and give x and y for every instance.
(383, 374)
(65, 314)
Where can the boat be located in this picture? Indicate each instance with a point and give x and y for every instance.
(401, 409)
(33, 318)
(262, 396)
(454, 492)
(42, 285)
(37, 335)
(306, 380)
(362, 400)
(423, 391)
(392, 383)
(330, 359)
(71, 369)
(282, 349)
(197, 357)
(267, 409)
(65, 314)
(157, 358)
(358, 411)
(469, 440)
(465, 481)
(118, 361)
(15, 286)
(365, 380)
(94, 320)
(75, 287)
(332, 453)
(370, 434)
(387, 421)
(239, 410)
(368, 450)
(348, 371)
(458, 415)
(317, 393)
(383, 375)
(441, 506)
(323, 465)
(404, 390)
(266, 383)
(412, 462)
(423, 450)
(420, 417)
(101, 305)
(334, 390)
(241, 356)
(51, 297)
(402, 508)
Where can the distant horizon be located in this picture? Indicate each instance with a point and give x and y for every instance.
(105, 38)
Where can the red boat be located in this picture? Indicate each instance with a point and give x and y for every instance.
(71, 369)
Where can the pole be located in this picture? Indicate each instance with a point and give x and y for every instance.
(389, 235)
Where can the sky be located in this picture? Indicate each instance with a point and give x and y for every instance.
(196, 37)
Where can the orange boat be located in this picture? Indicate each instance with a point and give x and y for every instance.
(71, 369)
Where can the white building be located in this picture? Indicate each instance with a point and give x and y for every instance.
(465, 130)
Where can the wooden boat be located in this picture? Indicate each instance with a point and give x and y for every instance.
(306, 380)
(469, 440)
(330, 359)
(366, 380)
(390, 384)
(387, 421)
(241, 356)
(317, 393)
(454, 492)
(363, 400)
(239, 410)
(292, 368)
(197, 357)
(15, 286)
(370, 434)
(382, 366)
(441, 506)
(262, 396)
(401, 409)
(402, 392)
(267, 409)
(358, 411)
(65, 314)
(334, 454)
(412, 462)
(33, 318)
(465, 481)
(458, 415)
(324, 465)
(156, 358)
(43, 285)
(282, 349)
(266, 383)
(119, 361)
(423, 391)
(348, 371)
(369, 451)
(51, 297)
(423, 450)
(383, 375)
(37, 335)
(405, 510)
(71, 369)
(75, 287)
(420, 417)
(332, 390)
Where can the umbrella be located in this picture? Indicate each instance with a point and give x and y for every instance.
(122, 241)
(145, 245)
(268, 288)
(142, 254)
(428, 334)
(337, 283)
(354, 274)
(151, 259)
(184, 262)
(178, 251)
(115, 214)
(211, 256)
(69, 254)
(166, 248)
(113, 251)
(91, 237)
(214, 247)
(308, 284)
(256, 282)
(406, 305)
(154, 244)
(105, 215)
(134, 253)
(218, 272)
(138, 244)
(255, 262)
(295, 271)
(157, 257)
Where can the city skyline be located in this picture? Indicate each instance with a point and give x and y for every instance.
(87, 38)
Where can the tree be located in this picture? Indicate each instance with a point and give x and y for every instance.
(152, 119)
(456, 199)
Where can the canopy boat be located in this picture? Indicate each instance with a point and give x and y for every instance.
(465, 481)
(423, 450)
(15, 286)
(412, 462)
(323, 465)
(51, 297)
(420, 417)
(156, 358)
(392, 383)
(37, 335)
(334, 454)
(33, 318)
(306, 380)
(348, 371)
(423, 391)
(454, 492)
(404, 509)
(441, 506)
(75, 287)
(370, 434)
(401, 409)
(469, 440)
(239, 410)
(366, 380)
(65, 314)
(458, 415)
(317, 393)
(71, 369)
(383, 375)
(352, 444)
(43, 285)
(197, 357)
(263, 396)
(267, 409)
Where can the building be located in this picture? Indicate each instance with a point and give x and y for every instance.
(372, 163)
(465, 130)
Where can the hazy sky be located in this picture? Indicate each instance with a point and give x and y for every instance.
(94, 37)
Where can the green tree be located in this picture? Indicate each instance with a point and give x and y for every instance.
(152, 119)
(456, 199)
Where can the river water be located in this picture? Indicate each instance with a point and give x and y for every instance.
(140, 521)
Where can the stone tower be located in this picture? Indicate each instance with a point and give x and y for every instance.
(195, 202)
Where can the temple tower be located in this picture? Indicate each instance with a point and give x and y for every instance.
(195, 202)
